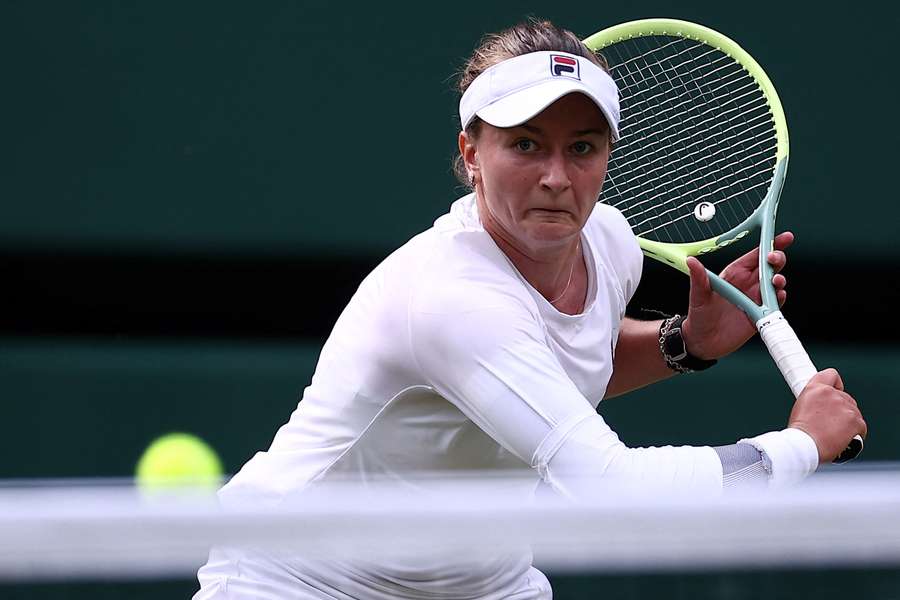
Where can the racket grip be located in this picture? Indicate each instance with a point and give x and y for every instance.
(787, 351)
(795, 365)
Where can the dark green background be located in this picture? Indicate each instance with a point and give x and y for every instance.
(275, 151)
(93, 404)
(307, 126)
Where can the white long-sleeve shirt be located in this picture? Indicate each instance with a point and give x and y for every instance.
(447, 359)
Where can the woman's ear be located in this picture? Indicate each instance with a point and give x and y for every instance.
(469, 155)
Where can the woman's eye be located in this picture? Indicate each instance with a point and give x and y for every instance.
(582, 147)
(525, 145)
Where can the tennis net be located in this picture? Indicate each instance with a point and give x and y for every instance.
(101, 529)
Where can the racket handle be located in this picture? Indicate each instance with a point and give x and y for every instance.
(795, 365)
(787, 351)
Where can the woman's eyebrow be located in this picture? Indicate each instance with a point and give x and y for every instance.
(528, 127)
(589, 131)
(537, 130)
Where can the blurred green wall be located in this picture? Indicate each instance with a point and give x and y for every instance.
(312, 127)
(86, 408)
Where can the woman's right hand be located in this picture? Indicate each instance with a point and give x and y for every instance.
(828, 414)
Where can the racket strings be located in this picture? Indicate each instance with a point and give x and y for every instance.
(743, 88)
(677, 120)
(635, 107)
(681, 215)
(738, 125)
(658, 85)
(691, 179)
(697, 147)
(683, 81)
(696, 128)
(662, 94)
(747, 200)
(664, 52)
(663, 142)
(634, 80)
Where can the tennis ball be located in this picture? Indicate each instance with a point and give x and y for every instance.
(178, 460)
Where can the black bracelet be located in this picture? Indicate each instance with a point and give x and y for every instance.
(674, 350)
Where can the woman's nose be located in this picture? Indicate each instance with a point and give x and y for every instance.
(556, 175)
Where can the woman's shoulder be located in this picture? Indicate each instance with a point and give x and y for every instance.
(609, 221)
(465, 271)
(452, 266)
(616, 246)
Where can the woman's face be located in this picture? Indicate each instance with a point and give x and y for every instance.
(537, 183)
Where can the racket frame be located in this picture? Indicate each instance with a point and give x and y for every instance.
(763, 218)
(788, 353)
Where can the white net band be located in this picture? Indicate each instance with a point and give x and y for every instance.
(846, 519)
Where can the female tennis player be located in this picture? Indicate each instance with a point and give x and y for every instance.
(487, 342)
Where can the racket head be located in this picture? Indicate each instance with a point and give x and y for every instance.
(701, 124)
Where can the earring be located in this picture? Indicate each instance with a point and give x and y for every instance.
(471, 179)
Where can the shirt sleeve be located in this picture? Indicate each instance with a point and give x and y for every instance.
(485, 352)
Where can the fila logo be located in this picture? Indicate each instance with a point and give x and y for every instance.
(564, 66)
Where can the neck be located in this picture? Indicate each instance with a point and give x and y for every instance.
(557, 271)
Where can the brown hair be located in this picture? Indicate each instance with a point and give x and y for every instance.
(530, 36)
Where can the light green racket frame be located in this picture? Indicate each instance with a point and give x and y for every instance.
(787, 351)
(675, 255)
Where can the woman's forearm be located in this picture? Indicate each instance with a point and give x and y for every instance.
(637, 361)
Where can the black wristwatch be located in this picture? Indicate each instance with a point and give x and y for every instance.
(674, 350)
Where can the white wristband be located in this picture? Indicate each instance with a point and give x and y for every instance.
(792, 455)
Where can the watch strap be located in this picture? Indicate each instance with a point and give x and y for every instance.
(674, 349)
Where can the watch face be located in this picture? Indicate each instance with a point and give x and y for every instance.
(674, 343)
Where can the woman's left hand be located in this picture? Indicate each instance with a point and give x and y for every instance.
(714, 327)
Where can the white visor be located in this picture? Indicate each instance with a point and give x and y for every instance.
(513, 91)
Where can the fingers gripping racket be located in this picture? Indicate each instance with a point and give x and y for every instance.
(701, 162)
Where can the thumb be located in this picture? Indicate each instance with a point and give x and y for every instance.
(829, 377)
(700, 288)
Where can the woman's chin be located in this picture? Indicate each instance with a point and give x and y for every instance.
(552, 232)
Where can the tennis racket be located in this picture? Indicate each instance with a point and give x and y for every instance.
(701, 162)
